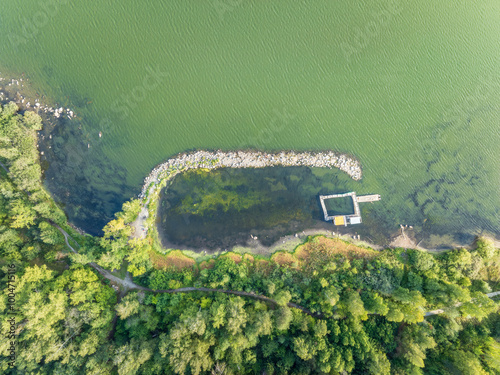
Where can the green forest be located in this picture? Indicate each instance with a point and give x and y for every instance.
(331, 308)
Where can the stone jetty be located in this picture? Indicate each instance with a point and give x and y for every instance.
(250, 159)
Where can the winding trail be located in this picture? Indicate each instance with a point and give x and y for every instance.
(440, 311)
(4, 167)
(128, 284)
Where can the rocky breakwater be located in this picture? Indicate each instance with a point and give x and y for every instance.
(250, 159)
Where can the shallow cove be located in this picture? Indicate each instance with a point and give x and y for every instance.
(227, 207)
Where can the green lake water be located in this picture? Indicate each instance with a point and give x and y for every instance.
(413, 90)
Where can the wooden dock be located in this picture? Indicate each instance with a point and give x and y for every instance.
(354, 218)
(368, 198)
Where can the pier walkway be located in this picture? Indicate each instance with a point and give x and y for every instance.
(368, 198)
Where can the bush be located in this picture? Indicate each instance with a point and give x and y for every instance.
(485, 248)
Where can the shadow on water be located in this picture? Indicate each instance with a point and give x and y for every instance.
(82, 180)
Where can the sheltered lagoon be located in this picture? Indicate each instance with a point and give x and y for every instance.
(228, 207)
(207, 210)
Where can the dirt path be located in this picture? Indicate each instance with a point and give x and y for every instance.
(140, 229)
(4, 167)
(440, 311)
(139, 225)
(127, 284)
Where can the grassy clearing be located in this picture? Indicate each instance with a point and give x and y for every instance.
(174, 258)
(59, 266)
(321, 248)
(263, 266)
(206, 264)
(315, 249)
(122, 272)
(248, 258)
(200, 257)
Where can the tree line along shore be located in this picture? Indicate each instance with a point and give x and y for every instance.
(368, 307)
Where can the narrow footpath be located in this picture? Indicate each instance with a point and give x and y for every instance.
(128, 284)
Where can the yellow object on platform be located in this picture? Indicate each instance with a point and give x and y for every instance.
(339, 220)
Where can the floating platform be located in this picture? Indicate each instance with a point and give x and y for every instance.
(354, 218)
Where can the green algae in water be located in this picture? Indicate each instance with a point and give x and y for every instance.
(339, 206)
(226, 207)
